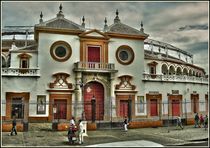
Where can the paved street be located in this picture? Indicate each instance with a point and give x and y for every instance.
(41, 135)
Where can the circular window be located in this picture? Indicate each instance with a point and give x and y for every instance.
(60, 51)
(125, 55)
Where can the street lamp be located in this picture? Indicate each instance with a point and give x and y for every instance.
(93, 103)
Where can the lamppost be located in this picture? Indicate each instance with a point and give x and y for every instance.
(168, 112)
(129, 108)
(82, 85)
(93, 104)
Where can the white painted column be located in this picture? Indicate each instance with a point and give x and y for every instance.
(112, 97)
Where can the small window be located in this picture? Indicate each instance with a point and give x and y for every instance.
(125, 55)
(24, 63)
(152, 70)
(60, 51)
(41, 104)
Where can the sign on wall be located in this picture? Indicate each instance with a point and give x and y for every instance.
(140, 104)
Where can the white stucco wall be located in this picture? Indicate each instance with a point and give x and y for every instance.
(15, 59)
(48, 66)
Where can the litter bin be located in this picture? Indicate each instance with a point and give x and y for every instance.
(25, 126)
(54, 126)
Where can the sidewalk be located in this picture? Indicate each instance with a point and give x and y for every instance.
(45, 137)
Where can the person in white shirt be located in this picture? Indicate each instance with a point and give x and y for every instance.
(72, 122)
(80, 132)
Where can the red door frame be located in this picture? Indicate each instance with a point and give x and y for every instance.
(153, 107)
(175, 107)
(97, 90)
(123, 108)
(61, 105)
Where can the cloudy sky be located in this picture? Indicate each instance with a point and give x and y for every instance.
(182, 24)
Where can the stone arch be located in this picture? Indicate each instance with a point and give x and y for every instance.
(164, 69)
(171, 70)
(3, 60)
(178, 71)
(185, 71)
(190, 72)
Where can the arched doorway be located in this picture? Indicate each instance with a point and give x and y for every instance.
(96, 90)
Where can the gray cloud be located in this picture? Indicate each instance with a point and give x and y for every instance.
(162, 20)
(198, 47)
(194, 27)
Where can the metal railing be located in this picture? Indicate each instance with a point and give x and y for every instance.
(94, 66)
(20, 72)
(176, 78)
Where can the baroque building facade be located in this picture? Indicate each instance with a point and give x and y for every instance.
(67, 69)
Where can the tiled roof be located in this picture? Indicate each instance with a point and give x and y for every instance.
(124, 29)
(18, 43)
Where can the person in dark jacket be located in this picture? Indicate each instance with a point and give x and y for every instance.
(14, 123)
(196, 120)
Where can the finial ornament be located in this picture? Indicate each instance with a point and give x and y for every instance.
(60, 13)
(142, 29)
(83, 22)
(60, 7)
(41, 16)
(117, 13)
(117, 19)
(105, 25)
(105, 21)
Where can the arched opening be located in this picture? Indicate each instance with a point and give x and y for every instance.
(3, 64)
(171, 70)
(94, 90)
(178, 71)
(164, 69)
(185, 71)
(190, 72)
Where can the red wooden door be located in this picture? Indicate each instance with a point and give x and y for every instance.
(61, 105)
(153, 107)
(175, 107)
(123, 108)
(97, 90)
(93, 54)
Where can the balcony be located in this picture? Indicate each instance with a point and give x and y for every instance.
(28, 72)
(175, 78)
(94, 67)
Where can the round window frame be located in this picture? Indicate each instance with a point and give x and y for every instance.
(130, 53)
(63, 44)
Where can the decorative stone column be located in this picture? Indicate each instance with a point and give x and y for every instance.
(78, 105)
(112, 97)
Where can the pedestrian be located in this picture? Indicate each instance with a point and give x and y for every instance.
(14, 123)
(201, 119)
(196, 119)
(179, 122)
(126, 124)
(206, 122)
(81, 140)
(72, 122)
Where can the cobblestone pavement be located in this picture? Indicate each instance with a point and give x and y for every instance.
(42, 135)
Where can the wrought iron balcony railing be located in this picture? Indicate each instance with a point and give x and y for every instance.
(94, 67)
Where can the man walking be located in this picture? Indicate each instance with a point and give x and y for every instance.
(196, 119)
(13, 127)
(126, 124)
(179, 122)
